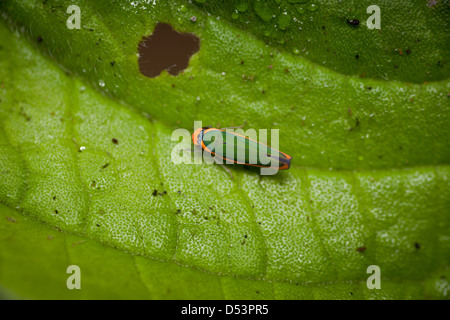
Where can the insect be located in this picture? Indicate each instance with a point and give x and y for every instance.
(235, 148)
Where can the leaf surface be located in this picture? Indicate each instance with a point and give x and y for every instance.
(87, 180)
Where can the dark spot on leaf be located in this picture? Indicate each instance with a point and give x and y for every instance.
(361, 249)
(356, 125)
(155, 193)
(115, 141)
(353, 22)
(178, 211)
(56, 211)
(11, 219)
(357, 56)
(166, 49)
(39, 39)
(97, 225)
(408, 51)
(417, 245)
(113, 63)
(105, 165)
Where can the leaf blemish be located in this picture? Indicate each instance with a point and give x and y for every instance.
(11, 219)
(166, 49)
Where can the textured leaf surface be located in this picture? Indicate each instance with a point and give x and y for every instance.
(79, 170)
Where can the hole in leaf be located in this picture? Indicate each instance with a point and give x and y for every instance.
(166, 49)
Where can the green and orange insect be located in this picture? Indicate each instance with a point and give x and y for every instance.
(235, 148)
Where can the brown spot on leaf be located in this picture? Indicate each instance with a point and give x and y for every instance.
(166, 49)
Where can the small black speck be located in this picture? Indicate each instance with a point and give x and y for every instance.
(408, 51)
(54, 198)
(257, 292)
(97, 225)
(56, 211)
(242, 61)
(353, 22)
(361, 249)
(105, 165)
(39, 39)
(115, 141)
(357, 56)
(395, 66)
(245, 236)
(417, 245)
(178, 211)
(369, 88)
(113, 63)
(155, 193)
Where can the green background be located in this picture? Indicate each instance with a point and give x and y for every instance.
(369, 179)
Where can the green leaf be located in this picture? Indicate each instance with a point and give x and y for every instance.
(86, 180)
